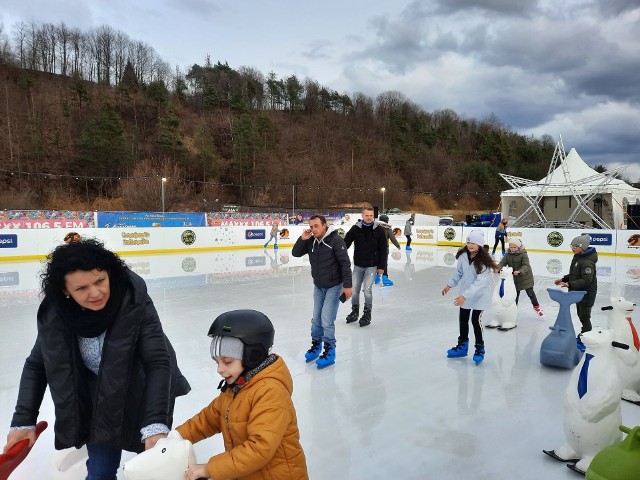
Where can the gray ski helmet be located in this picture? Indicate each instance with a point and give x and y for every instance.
(384, 218)
(253, 328)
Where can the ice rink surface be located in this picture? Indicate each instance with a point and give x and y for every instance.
(393, 406)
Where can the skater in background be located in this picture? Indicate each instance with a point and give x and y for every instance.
(369, 257)
(518, 259)
(331, 273)
(101, 351)
(473, 272)
(501, 234)
(408, 231)
(582, 276)
(383, 220)
(254, 410)
(273, 234)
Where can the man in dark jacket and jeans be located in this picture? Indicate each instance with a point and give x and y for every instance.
(371, 249)
(331, 272)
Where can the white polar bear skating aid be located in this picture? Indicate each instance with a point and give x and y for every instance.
(167, 460)
(503, 302)
(592, 403)
(627, 361)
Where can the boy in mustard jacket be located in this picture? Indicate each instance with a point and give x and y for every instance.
(254, 411)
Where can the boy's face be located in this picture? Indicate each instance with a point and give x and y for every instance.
(576, 249)
(513, 247)
(229, 368)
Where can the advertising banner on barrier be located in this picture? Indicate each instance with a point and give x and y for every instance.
(150, 219)
(332, 218)
(36, 219)
(245, 219)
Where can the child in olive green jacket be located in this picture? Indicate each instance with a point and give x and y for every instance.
(518, 259)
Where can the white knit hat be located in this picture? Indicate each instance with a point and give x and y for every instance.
(515, 241)
(223, 346)
(477, 237)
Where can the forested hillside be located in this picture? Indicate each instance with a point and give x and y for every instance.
(95, 123)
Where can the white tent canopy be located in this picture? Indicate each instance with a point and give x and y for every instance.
(571, 194)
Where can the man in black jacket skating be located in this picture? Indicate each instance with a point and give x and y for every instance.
(331, 272)
(371, 249)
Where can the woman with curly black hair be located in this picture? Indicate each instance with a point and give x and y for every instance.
(101, 350)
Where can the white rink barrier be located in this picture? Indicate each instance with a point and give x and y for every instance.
(606, 242)
(26, 244)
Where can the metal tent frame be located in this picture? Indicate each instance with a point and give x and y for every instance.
(582, 199)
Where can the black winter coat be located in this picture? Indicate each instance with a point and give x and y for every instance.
(330, 264)
(582, 275)
(371, 245)
(137, 383)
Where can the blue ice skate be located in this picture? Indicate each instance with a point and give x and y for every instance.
(460, 350)
(559, 348)
(386, 282)
(314, 351)
(327, 358)
(377, 279)
(478, 356)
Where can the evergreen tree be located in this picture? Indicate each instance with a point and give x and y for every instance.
(103, 149)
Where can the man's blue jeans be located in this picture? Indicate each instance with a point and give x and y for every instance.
(103, 462)
(363, 278)
(325, 309)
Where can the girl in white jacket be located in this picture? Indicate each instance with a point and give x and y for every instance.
(473, 273)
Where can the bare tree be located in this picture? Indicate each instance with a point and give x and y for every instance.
(142, 57)
(6, 56)
(32, 45)
(120, 55)
(105, 37)
(20, 30)
(63, 34)
(76, 39)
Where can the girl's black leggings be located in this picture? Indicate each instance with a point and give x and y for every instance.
(475, 315)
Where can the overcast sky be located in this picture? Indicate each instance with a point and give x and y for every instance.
(565, 68)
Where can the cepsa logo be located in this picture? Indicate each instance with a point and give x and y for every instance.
(449, 234)
(9, 241)
(554, 266)
(255, 234)
(188, 237)
(555, 239)
(189, 264)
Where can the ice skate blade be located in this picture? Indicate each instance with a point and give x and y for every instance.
(572, 466)
(320, 367)
(552, 454)
(507, 328)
